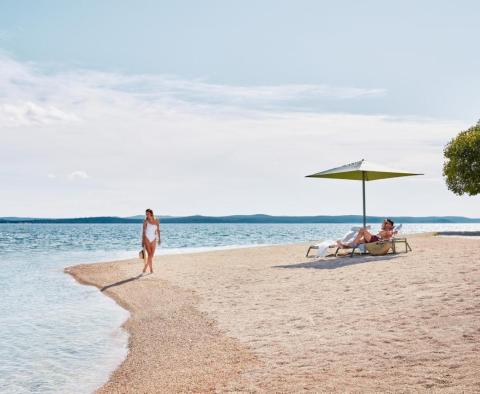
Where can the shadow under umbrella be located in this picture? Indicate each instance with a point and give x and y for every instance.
(338, 262)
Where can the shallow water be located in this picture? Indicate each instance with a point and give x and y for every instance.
(59, 336)
(56, 335)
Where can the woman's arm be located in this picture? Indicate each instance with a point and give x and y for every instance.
(386, 234)
(143, 232)
(158, 232)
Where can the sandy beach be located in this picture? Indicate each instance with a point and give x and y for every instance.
(267, 319)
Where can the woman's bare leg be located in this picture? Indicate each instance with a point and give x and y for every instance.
(363, 236)
(153, 246)
(146, 243)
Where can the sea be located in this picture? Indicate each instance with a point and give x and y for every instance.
(57, 336)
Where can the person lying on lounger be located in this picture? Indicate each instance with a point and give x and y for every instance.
(364, 236)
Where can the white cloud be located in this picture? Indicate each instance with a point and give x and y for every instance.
(29, 95)
(51, 176)
(187, 147)
(28, 113)
(195, 90)
(78, 175)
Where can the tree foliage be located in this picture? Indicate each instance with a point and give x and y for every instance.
(462, 162)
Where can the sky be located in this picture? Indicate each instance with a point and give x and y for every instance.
(223, 107)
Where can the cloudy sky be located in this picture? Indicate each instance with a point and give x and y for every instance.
(222, 107)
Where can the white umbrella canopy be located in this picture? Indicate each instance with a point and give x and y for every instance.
(362, 171)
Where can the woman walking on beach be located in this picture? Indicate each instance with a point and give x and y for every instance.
(150, 237)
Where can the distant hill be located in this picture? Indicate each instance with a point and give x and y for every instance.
(98, 219)
(315, 219)
(15, 218)
(248, 219)
(143, 216)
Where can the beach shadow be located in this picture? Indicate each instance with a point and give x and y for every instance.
(460, 233)
(122, 282)
(339, 262)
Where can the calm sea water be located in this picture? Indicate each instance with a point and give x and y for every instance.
(57, 336)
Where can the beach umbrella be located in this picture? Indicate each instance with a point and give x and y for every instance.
(361, 171)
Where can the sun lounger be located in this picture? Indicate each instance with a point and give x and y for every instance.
(404, 241)
(322, 247)
(359, 249)
(379, 248)
(397, 239)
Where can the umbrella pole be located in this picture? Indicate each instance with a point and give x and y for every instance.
(363, 193)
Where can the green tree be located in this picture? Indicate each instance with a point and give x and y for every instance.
(462, 162)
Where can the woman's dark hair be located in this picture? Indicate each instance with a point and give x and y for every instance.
(388, 220)
(149, 211)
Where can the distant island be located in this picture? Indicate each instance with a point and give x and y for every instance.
(259, 218)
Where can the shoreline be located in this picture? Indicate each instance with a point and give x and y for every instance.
(237, 322)
(226, 356)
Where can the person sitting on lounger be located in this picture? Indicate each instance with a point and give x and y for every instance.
(364, 236)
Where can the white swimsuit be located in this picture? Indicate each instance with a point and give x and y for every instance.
(151, 232)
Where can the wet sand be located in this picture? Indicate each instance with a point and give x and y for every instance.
(267, 319)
